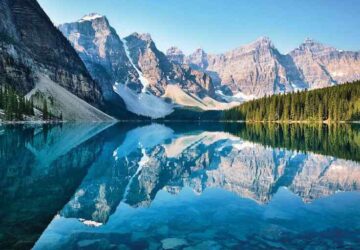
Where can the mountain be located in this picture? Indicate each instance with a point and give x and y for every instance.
(36, 58)
(104, 55)
(256, 69)
(102, 51)
(129, 77)
(323, 66)
(107, 58)
(175, 55)
(148, 82)
(160, 72)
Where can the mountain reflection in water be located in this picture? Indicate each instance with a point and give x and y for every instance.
(154, 186)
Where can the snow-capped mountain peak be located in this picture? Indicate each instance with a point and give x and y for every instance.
(91, 17)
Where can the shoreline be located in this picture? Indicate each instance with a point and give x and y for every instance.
(29, 122)
(298, 122)
(176, 121)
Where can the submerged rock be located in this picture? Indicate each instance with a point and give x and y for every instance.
(173, 243)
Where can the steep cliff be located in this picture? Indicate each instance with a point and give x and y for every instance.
(31, 48)
(102, 51)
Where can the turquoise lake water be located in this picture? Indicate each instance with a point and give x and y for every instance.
(179, 186)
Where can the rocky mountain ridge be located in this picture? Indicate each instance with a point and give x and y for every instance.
(102, 70)
(202, 80)
(259, 68)
(161, 72)
(137, 71)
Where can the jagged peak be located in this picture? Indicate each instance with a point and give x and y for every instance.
(91, 17)
(309, 40)
(174, 51)
(262, 41)
(314, 46)
(142, 36)
(146, 37)
(199, 52)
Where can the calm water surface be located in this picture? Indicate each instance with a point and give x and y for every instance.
(179, 186)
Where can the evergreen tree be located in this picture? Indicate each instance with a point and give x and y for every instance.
(45, 110)
(321, 112)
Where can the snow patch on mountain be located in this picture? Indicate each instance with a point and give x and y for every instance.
(90, 17)
(238, 97)
(142, 79)
(244, 96)
(144, 104)
(179, 96)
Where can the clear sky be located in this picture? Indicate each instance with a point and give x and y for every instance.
(220, 25)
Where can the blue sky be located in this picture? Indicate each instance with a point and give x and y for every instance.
(220, 25)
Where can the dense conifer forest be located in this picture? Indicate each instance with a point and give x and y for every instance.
(332, 104)
(13, 105)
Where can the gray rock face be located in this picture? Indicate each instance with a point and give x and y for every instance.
(198, 59)
(102, 51)
(134, 61)
(175, 55)
(254, 69)
(160, 71)
(151, 62)
(259, 68)
(30, 44)
(323, 66)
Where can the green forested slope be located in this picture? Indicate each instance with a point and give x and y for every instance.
(337, 103)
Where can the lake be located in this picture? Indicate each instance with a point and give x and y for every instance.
(179, 186)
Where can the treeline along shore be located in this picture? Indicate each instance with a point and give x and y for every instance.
(332, 104)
